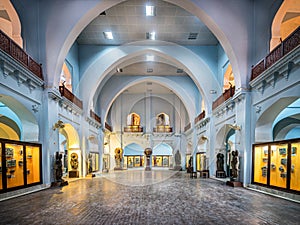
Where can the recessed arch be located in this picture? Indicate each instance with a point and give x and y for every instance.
(61, 44)
(11, 25)
(177, 89)
(162, 149)
(287, 6)
(133, 149)
(27, 123)
(9, 128)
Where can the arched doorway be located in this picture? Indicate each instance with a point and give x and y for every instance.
(70, 149)
(162, 155)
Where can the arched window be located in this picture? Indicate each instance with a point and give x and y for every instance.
(133, 123)
(162, 119)
(228, 78)
(66, 77)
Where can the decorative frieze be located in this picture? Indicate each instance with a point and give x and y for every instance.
(93, 122)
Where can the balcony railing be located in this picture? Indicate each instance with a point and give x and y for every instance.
(187, 127)
(228, 93)
(95, 116)
(108, 127)
(15, 51)
(288, 44)
(163, 129)
(133, 129)
(200, 117)
(70, 96)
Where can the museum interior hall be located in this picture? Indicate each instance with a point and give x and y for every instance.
(150, 111)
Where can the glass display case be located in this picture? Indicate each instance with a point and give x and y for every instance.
(277, 164)
(187, 160)
(20, 164)
(161, 161)
(200, 161)
(134, 161)
(93, 162)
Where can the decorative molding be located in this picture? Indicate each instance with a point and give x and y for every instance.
(93, 122)
(35, 108)
(228, 105)
(11, 67)
(54, 94)
(70, 106)
(279, 70)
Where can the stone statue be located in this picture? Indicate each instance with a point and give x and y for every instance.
(235, 164)
(220, 162)
(58, 167)
(118, 157)
(177, 158)
(74, 161)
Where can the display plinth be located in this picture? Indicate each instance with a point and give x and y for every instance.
(148, 152)
(220, 174)
(74, 174)
(234, 183)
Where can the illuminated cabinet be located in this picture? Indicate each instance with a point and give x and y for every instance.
(277, 164)
(20, 164)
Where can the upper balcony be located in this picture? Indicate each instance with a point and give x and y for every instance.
(228, 93)
(288, 44)
(70, 96)
(16, 52)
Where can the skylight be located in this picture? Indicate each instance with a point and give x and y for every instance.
(150, 10)
(108, 35)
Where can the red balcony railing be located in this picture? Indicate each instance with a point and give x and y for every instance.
(133, 128)
(187, 127)
(200, 117)
(228, 93)
(70, 96)
(95, 116)
(15, 51)
(108, 127)
(288, 44)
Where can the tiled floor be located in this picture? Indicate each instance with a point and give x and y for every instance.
(155, 197)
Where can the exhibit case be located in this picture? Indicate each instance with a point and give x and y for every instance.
(277, 164)
(161, 161)
(93, 162)
(20, 164)
(134, 161)
(200, 161)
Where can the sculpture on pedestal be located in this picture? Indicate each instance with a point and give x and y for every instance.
(177, 161)
(58, 166)
(118, 158)
(148, 153)
(220, 166)
(235, 164)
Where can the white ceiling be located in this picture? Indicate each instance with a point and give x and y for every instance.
(128, 23)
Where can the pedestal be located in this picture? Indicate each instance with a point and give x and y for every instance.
(73, 174)
(220, 174)
(234, 183)
(148, 152)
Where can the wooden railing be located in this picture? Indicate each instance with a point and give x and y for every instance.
(95, 116)
(228, 93)
(70, 96)
(133, 128)
(187, 127)
(108, 127)
(163, 129)
(200, 117)
(15, 51)
(288, 44)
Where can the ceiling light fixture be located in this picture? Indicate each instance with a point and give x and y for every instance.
(150, 10)
(108, 35)
(150, 35)
(150, 58)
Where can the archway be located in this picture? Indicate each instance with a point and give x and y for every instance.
(286, 20)
(19, 118)
(69, 140)
(134, 155)
(162, 155)
(10, 23)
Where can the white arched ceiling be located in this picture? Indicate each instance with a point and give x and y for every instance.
(116, 86)
(59, 39)
(71, 135)
(186, 59)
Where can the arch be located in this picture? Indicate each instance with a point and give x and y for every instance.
(66, 77)
(264, 124)
(228, 78)
(133, 119)
(162, 119)
(9, 129)
(25, 120)
(72, 143)
(59, 45)
(162, 149)
(11, 25)
(115, 92)
(133, 149)
(199, 71)
(283, 127)
(292, 6)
